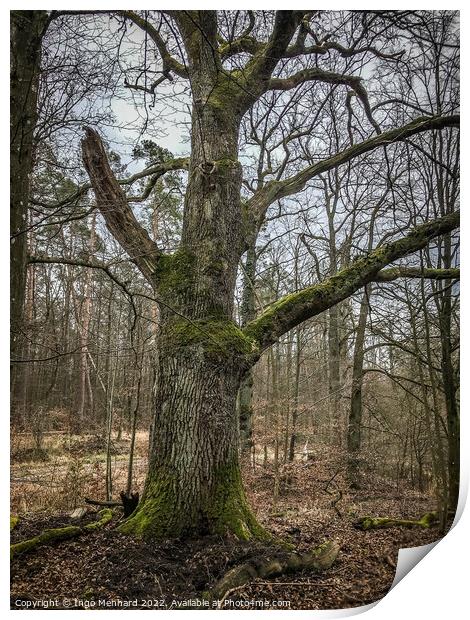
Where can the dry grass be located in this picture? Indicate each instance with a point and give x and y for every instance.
(67, 469)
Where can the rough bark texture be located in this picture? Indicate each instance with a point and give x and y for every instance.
(26, 30)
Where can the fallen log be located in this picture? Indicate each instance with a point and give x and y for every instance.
(58, 534)
(272, 565)
(372, 523)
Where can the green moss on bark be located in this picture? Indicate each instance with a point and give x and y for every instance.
(318, 296)
(174, 272)
(218, 337)
(14, 520)
(228, 511)
(160, 514)
(226, 98)
(297, 307)
(372, 523)
(156, 516)
(46, 537)
(106, 516)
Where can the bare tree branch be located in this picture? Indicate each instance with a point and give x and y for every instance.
(169, 63)
(112, 203)
(155, 171)
(388, 275)
(319, 75)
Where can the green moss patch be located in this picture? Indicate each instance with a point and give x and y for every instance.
(159, 515)
(174, 272)
(155, 516)
(218, 337)
(228, 511)
(372, 523)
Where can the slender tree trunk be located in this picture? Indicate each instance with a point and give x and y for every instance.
(247, 313)
(433, 427)
(334, 378)
(84, 329)
(295, 405)
(355, 412)
(450, 389)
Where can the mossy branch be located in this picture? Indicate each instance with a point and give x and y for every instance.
(373, 523)
(58, 534)
(273, 565)
(275, 190)
(293, 309)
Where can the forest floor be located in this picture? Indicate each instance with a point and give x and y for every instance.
(105, 569)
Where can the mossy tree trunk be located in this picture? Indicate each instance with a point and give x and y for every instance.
(194, 483)
(26, 31)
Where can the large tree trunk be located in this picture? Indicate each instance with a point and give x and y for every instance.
(194, 482)
(26, 30)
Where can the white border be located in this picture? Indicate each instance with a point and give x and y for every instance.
(438, 586)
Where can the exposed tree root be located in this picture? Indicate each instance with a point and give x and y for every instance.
(273, 565)
(372, 523)
(61, 533)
